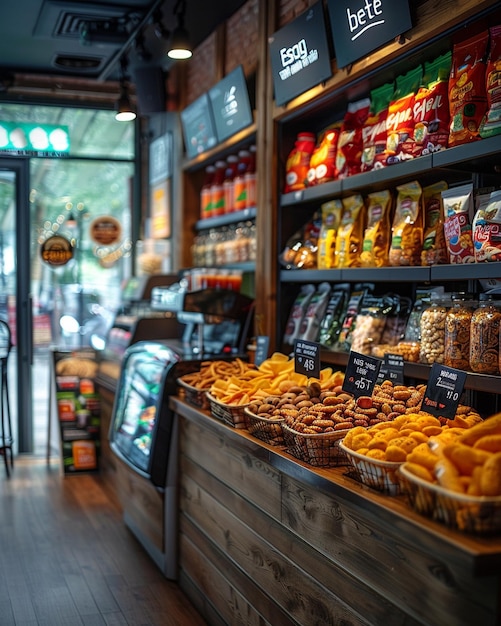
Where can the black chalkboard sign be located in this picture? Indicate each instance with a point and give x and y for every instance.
(443, 391)
(198, 127)
(231, 104)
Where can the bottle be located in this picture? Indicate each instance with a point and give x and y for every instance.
(484, 336)
(229, 183)
(457, 332)
(298, 162)
(205, 193)
(240, 197)
(217, 189)
(251, 179)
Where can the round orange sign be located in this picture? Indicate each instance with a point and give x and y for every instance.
(105, 230)
(56, 250)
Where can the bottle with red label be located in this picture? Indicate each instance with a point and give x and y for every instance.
(217, 189)
(229, 183)
(250, 179)
(205, 193)
(240, 200)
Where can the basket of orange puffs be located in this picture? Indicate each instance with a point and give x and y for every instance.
(456, 478)
(376, 454)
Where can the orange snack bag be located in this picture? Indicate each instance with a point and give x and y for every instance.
(377, 232)
(350, 234)
(323, 160)
(298, 162)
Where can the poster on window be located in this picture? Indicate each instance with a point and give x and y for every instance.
(160, 209)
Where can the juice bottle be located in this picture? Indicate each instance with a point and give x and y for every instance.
(217, 189)
(229, 183)
(240, 197)
(250, 179)
(205, 193)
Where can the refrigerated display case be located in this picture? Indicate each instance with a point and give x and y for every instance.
(143, 438)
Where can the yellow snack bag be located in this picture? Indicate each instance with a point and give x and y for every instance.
(331, 216)
(350, 234)
(377, 232)
(407, 228)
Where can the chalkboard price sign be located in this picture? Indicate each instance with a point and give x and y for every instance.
(361, 374)
(443, 391)
(307, 358)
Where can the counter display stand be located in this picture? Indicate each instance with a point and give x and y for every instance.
(267, 537)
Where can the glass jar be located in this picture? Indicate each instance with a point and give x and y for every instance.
(432, 330)
(457, 332)
(484, 336)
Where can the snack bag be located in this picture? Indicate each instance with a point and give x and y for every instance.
(487, 229)
(400, 122)
(330, 325)
(297, 313)
(323, 159)
(300, 251)
(492, 121)
(348, 325)
(350, 144)
(350, 233)
(467, 96)
(331, 217)
(434, 244)
(407, 229)
(374, 129)
(431, 107)
(458, 209)
(310, 325)
(369, 323)
(298, 162)
(376, 239)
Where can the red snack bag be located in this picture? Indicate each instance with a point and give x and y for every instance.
(431, 107)
(467, 95)
(400, 122)
(323, 160)
(492, 122)
(350, 145)
(374, 130)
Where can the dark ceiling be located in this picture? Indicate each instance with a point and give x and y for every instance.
(44, 36)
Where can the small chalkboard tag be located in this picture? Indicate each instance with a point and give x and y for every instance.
(443, 391)
(392, 369)
(307, 358)
(262, 347)
(361, 374)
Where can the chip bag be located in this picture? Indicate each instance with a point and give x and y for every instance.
(434, 244)
(407, 229)
(492, 121)
(377, 232)
(374, 130)
(323, 159)
(458, 209)
(331, 217)
(350, 144)
(350, 233)
(487, 229)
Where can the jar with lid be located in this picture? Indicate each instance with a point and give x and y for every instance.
(457, 331)
(432, 330)
(484, 336)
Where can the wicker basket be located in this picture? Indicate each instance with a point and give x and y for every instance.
(380, 475)
(231, 414)
(193, 395)
(319, 450)
(472, 514)
(265, 428)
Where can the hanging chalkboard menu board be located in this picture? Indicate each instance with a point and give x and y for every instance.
(198, 127)
(230, 104)
(299, 55)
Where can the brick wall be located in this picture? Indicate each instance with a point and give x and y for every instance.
(242, 39)
(290, 9)
(201, 71)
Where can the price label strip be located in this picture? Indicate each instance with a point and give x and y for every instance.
(443, 391)
(361, 374)
(307, 358)
(392, 369)
(262, 347)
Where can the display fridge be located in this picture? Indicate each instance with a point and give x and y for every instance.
(143, 435)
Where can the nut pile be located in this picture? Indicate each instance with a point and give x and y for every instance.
(310, 410)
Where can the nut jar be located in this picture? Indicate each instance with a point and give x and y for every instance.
(457, 332)
(432, 327)
(484, 336)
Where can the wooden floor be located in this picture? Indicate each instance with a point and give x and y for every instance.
(66, 558)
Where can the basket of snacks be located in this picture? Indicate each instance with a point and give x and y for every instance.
(268, 428)
(317, 449)
(457, 510)
(373, 472)
(231, 414)
(195, 396)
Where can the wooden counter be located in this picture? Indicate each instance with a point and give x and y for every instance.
(267, 539)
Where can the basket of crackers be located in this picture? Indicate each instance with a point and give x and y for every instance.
(457, 479)
(317, 449)
(267, 428)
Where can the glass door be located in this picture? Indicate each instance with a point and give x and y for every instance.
(15, 300)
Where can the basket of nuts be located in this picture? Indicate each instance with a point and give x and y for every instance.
(267, 428)
(232, 414)
(317, 449)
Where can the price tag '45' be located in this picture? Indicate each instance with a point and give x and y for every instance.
(361, 374)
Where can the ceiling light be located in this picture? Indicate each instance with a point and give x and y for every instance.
(180, 47)
(125, 110)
